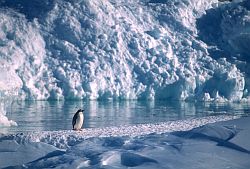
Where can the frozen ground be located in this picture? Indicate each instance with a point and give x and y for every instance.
(178, 144)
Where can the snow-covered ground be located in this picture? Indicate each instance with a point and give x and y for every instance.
(198, 143)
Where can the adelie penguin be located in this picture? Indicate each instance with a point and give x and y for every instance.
(77, 120)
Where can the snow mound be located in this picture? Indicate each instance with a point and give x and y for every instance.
(163, 149)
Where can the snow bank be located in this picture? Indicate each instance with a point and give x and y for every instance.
(64, 139)
(124, 49)
(22, 50)
(147, 146)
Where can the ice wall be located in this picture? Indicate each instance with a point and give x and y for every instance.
(9, 84)
(127, 49)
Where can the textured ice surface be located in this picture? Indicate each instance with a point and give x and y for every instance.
(66, 138)
(9, 85)
(195, 142)
(184, 50)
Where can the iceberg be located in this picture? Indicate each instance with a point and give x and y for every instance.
(9, 85)
(177, 50)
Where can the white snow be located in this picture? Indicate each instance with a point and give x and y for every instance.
(178, 144)
(9, 84)
(125, 49)
(63, 139)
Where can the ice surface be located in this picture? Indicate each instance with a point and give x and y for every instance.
(126, 49)
(4, 121)
(178, 144)
(9, 84)
(66, 138)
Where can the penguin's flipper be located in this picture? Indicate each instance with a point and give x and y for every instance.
(74, 120)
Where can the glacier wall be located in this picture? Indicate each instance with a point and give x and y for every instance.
(125, 49)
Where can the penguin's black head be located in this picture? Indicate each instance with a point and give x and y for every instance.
(80, 110)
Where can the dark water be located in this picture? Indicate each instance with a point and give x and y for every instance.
(57, 115)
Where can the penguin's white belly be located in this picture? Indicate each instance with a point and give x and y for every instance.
(79, 122)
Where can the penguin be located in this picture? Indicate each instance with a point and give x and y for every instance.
(77, 120)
